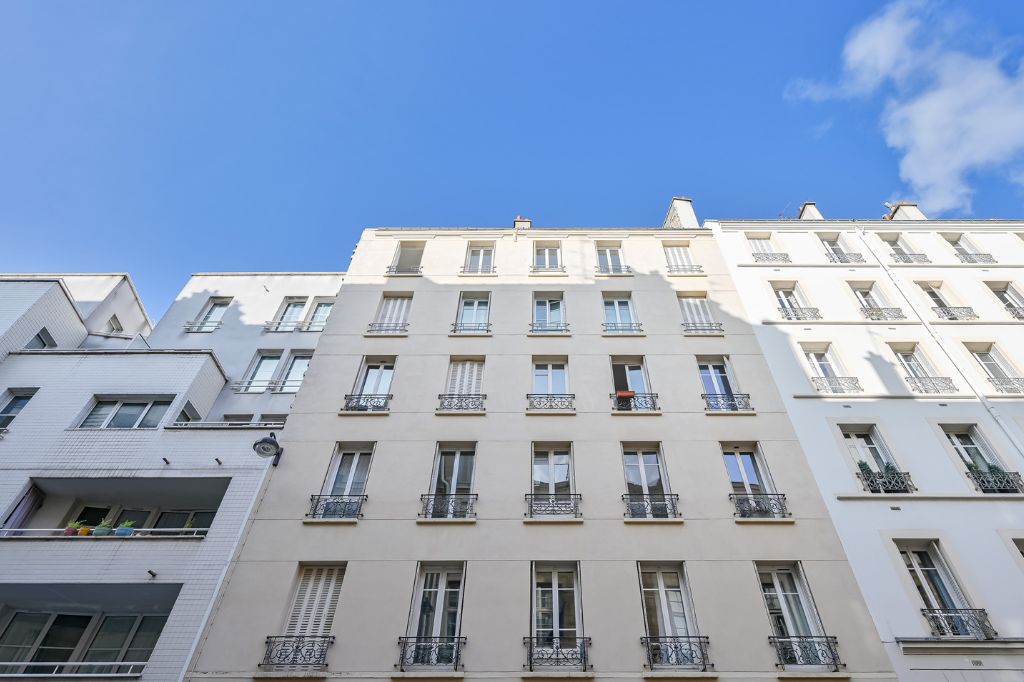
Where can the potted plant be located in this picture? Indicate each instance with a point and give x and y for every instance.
(125, 529)
(84, 530)
(72, 528)
(105, 528)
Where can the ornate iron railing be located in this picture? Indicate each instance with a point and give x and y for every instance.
(299, 651)
(960, 623)
(404, 269)
(845, 257)
(771, 258)
(550, 401)
(557, 652)
(430, 652)
(614, 270)
(553, 504)
(638, 402)
(910, 258)
(336, 506)
(994, 481)
(837, 384)
(549, 327)
(958, 313)
(683, 269)
(547, 268)
(367, 402)
(727, 402)
(800, 313)
(1016, 310)
(702, 327)
(883, 313)
(931, 384)
(888, 481)
(976, 258)
(387, 328)
(677, 652)
(199, 326)
(760, 505)
(807, 650)
(471, 328)
(622, 327)
(458, 506)
(1008, 384)
(461, 402)
(478, 270)
(658, 506)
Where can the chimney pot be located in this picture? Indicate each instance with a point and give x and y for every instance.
(521, 223)
(680, 215)
(809, 211)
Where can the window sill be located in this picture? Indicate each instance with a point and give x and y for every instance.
(471, 334)
(293, 674)
(563, 674)
(549, 274)
(553, 519)
(543, 334)
(478, 274)
(370, 335)
(811, 675)
(727, 413)
(623, 334)
(96, 538)
(637, 413)
(435, 674)
(364, 413)
(946, 647)
(765, 519)
(601, 275)
(675, 520)
(977, 497)
(716, 335)
(403, 274)
(469, 520)
(679, 675)
(687, 274)
(341, 521)
(460, 413)
(555, 413)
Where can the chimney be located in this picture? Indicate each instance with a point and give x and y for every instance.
(904, 210)
(680, 215)
(521, 223)
(809, 211)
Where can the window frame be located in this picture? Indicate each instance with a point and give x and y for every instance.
(148, 405)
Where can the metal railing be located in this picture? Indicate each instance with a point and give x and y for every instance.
(837, 384)
(111, 533)
(959, 623)
(430, 652)
(553, 504)
(996, 481)
(727, 402)
(461, 402)
(683, 269)
(1008, 384)
(286, 385)
(771, 258)
(760, 505)
(547, 268)
(800, 313)
(976, 257)
(637, 402)
(336, 506)
(910, 258)
(549, 327)
(677, 652)
(614, 270)
(201, 327)
(387, 328)
(807, 650)
(75, 669)
(298, 651)
(657, 506)
(845, 257)
(1016, 310)
(3, 432)
(293, 326)
(478, 270)
(550, 401)
(888, 481)
(931, 384)
(404, 270)
(702, 327)
(458, 506)
(367, 402)
(622, 327)
(944, 312)
(471, 328)
(253, 385)
(226, 425)
(557, 652)
(883, 313)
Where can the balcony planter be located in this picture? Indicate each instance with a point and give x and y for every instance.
(625, 394)
(72, 529)
(84, 530)
(125, 530)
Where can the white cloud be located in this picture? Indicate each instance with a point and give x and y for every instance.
(948, 113)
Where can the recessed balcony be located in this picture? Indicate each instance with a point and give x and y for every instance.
(653, 506)
(1008, 384)
(553, 505)
(771, 258)
(296, 652)
(689, 652)
(387, 328)
(727, 402)
(976, 258)
(458, 506)
(566, 652)
(367, 402)
(837, 384)
(443, 653)
(457, 403)
(336, 506)
(995, 480)
(878, 314)
(910, 258)
(851, 258)
(959, 623)
(760, 505)
(955, 313)
(807, 651)
(799, 313)
(931, 384)
(630, 401)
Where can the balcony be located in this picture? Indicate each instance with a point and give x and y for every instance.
(837, 384)
(461, 402)
(976, 258)
(553, 505)
(658, 506)
(629, 401)
(471, 328)
(367, 402)
(807, 650)
(298, 652)
(959, 623)
(613, 270)
(703, 328)
(771, 258)
(1008, 384)
(931, 384)
(387, 328)
(404, 270)
(760, 506)
(566, 652)
(889, 480)
(547, 269)
(549, 328)
(550, 402)
(1016, 310)
(622, 328)
(790, 313)
(878, 314)
(430, 652)
(677, 652)
(727, 402)
(478, 270)
(336, 506)
(459, 506)
(950, 313)
(995, 480)
(685, 269)
(845, 257)
(910, 258)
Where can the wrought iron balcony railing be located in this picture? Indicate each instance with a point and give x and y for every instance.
(684, 269)
(430, 652)
(677, 652)
(553, 504)
(887, 481)
(910, 258)
(789, 313)
(727, 402)
(807, 650)
(547, 268)
(336, 506)
(628, 401)
(201, 327)
(622, 327)
(557, 652)
(383, 328)
(760, 506)
(709, 328)
(771, 258)
(957, 313)
(845, 257)
(471, 328)
(837, 384)
(883, 313)
(367, 402)
(299, 651)
(458, 506)
(549, 327)
(478, 270)
(404, 270)
(1008, 384)
(461, 402)
(996, 481)
(613, 270)
(976, 258)
(1016, 310)
(959, 623)
(541, 402)
(657, 506)
(931, 384)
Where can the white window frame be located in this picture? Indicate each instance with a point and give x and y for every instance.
(728, 387)
(352, 486)
(549, 366)
(547, 257)
(666, 625)
(760, 470)
(550, 452)
(443, 571)
(483, 253)
(577, 633)
(211, 317)
(1000, 367)
(478, 305)
(315, 322)
(372, 376)
(253, 385)
(807, 622)
(6, 414)
(286, 383)
(875, 454)
(988, 456)
(118, 403)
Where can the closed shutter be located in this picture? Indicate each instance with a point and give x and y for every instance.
(316, 600)
(678, 256)
(696, 309)
(465, 377)
(761, 246)
(394, 309)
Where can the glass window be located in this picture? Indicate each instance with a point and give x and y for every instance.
(618, 311)
(745, 473)
(788, 609)
(11, 410)
(262, 373)
(552, 472)
(99, 414)
(296, 371)
(556, 616)
(667, 610)
(549, 378)
(292, 311)
(377, 378)
(715, 378)
(154, 414)
(437, 612)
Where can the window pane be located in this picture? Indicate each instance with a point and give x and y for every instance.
(154, 415)
(172, 519)
(202, 519)
(145, 638)
(98, 415)
(138, 516)
(127, 415)
(110, 638)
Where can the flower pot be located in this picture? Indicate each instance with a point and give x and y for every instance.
(84, 531)
(124, 532)
(68, 532)
(625, 394)
(102, 532)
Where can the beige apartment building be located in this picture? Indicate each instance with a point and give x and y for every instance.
(540, 452)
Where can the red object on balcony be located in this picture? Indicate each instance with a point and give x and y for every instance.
(625, 394)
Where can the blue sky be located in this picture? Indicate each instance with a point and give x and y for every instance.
(164, 138)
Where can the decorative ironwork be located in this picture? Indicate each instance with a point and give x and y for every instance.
(889, 480)
(651, 506)
(547, 268)
(976, 258)
(622, 327)
(883, 313)
(761, 505)
(614, 270)
(771, 258)
(549, 327)
(336, 506)
(1008, 384)
(677, 652)
(550, 401)
(684, 269)
(565, 651)
(478, 270)
(430, 652)
(959, 313)
(202, 327)
(837, 384)
(960, 623)
(727, 402)
(459, 506)
(931, 384)
(300, 651)
(1016, 310)
(471, 328)
(807, 650)
(387, 328)
(367, 402)
(553, 504)
(790, 313)
(910, 258)
(845, 257)
(995, 480)
(405, 269)
(627, 401)
(702, 327)
(461, 402)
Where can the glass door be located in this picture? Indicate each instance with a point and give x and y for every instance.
(438, 616)
(609, 259)
(549, 378)
(646, 488)
(667, 612)
(479, 259)
(547, 313)
(715, 378)
(821, 364)
(452, 484)
(789, 615)
(556, 613)
(347, 482)
(745, 473)
(618, 311)
(377, 378)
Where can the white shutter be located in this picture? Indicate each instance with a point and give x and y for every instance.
(761, 246)
(678, 256)
(696, 309)
(315, 601)
(394, 309)
(465, 377)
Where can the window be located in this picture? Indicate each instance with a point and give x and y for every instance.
(125, 414)
(434, 628)
(113, 326)
(1009, 296)
(788, 298)
(41, 341)
(761, 245)
(345, 483)
(261, 374)
(934, 295)
(921, 376)
(632, 388)
(296, 370)
(408, 259)
(393, 315)
(668, 617)
(678, 258)
(902, 250)
(479, 258)
(822, 362)
(876, 467)
(619, 317)
(318, 318)
(549, 378)
(753, 494)
(836, 251)
(557, 621)
(316, 600)
(372, 392)
(945, 605)
(791, 614)
(12, 408)
(972, 449)
(547, 257)
(995, 365)
(609, 259)
(474, 312)
(552, 470)
(290, 315)
(212, 316)
(867, 296)
(647, 491)
(465, 377)
(451, 487)
(548, 313)
(697, 317)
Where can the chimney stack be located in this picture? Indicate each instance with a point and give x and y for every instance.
(521, 223)
(904, 210)
(809, 211)
(681, 215)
